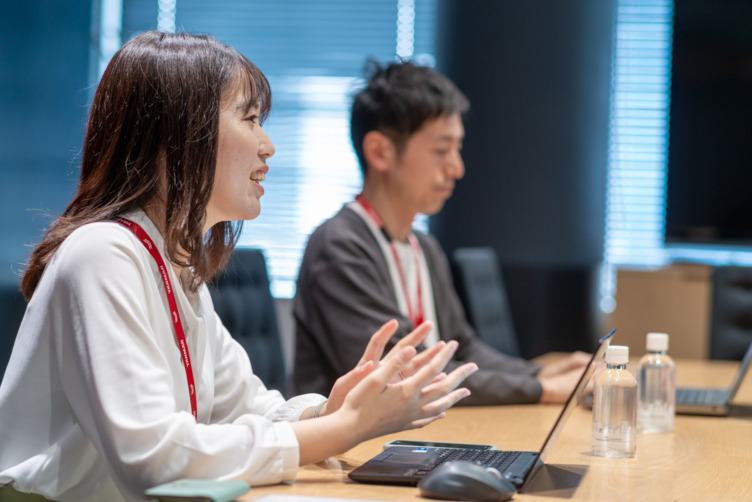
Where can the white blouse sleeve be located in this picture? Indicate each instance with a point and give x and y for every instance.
(235, 396)
(121, 374)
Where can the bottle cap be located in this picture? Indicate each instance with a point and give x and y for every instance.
(657, 342)
(617, 354)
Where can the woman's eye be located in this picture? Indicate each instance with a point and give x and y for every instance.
(253, 118)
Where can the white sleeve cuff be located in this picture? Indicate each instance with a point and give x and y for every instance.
(294, 407)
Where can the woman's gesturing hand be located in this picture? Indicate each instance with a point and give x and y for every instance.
(383, 402)
(403, 390)
(372, 359)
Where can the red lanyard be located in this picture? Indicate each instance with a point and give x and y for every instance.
(414, 312)
(186, 357)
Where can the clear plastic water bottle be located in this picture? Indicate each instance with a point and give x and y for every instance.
(657, 387)
(615, 407)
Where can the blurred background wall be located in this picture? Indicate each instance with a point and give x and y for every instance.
(538, 77)
(45, 85)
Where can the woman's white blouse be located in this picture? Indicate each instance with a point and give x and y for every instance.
(94, 404)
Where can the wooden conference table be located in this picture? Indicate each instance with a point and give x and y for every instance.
(705, 458)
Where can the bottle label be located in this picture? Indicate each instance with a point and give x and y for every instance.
(616, 436)
(655, 416)
(614, 414)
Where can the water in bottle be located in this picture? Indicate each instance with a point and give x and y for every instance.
(657, 387)
(615, 407)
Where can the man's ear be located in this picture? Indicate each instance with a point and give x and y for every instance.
(379, 151)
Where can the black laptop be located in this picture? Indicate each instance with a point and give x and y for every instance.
(406, 465)
(710, 401)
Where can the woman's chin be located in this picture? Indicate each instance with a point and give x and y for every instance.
(252, 214)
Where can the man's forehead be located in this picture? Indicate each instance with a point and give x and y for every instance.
(444, 128)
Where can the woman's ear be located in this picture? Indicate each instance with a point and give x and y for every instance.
(379, 151)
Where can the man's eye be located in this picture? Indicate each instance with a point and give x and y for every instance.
(253, 118)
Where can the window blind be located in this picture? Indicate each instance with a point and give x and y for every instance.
(638, 144)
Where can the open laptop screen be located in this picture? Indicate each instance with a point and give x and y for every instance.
(571, 403)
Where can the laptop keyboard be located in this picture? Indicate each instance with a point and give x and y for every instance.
(488, 458)
(701, 396)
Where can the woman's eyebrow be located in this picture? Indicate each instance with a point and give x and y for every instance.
(246, 106)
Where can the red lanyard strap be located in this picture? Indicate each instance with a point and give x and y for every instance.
(185, 356)
(414, 312)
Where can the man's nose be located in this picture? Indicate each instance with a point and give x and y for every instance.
(456, 168)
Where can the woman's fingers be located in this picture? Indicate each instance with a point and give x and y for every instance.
(442, 386)
(345, 384)
(426, 374)
(421, 359)
(438, 407)
(378, 341)
(418, 424)
(390, 369)
(414, 338)
(386, 403)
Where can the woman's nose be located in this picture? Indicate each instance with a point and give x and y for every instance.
(266, 146)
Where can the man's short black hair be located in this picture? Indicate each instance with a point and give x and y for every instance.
(398, 99)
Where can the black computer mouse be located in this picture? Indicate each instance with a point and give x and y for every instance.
(464, 480)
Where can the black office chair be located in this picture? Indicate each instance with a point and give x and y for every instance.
(480, 287)
(731, 312)
(244, 302)
(12, 309)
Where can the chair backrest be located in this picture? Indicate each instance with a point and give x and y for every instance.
(244, 302)
(731, 312)
(481, 288)
(12, 309)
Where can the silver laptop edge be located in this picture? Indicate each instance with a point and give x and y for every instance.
(721, 408)
(570, 404)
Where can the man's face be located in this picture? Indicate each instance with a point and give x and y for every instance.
(424, 174)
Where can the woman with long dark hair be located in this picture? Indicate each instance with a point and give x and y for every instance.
(122, 376)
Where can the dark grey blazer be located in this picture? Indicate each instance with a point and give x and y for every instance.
(345, 293)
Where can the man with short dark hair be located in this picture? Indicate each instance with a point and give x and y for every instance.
(367, 265)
